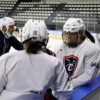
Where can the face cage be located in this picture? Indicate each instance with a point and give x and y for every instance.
(71, 45)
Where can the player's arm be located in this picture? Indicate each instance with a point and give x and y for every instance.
(50, 52)
(15, 43)
(62, 87)
(91, 60)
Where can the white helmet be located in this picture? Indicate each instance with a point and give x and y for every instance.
(26, 29)
(7, 21)
(35, 30)
(74, 25)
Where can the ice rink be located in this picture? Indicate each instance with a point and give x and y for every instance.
(55, 38)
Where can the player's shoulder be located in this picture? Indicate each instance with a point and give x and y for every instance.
(12, 55)
(1, 34)
(91, 47)
(59, 47)
(51, 59)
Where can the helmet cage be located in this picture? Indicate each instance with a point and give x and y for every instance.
(73, 25)
(65, 40)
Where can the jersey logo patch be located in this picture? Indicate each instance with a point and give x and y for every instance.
(70, 63)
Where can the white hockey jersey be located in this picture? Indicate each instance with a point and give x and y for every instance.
(26, 77)
(80, 62)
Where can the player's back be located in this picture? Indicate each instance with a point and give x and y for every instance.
(32, 73)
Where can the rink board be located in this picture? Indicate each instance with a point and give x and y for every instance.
(88, 92)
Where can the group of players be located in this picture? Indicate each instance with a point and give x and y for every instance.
(32, 73)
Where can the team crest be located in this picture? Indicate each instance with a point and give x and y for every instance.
(70, 63)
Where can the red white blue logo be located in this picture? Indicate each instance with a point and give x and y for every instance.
(70, 63)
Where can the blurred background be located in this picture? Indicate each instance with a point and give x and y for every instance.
(53, 12)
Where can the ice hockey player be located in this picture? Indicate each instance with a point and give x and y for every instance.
(27, 27)
(27, 74)
(6, 38)
(79, 56)
(48, 94)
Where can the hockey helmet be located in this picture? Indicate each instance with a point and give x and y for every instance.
(35, 30)
(7, 21)
(73, 25)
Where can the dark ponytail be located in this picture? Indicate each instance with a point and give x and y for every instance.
(91, 38)
(32, 47)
